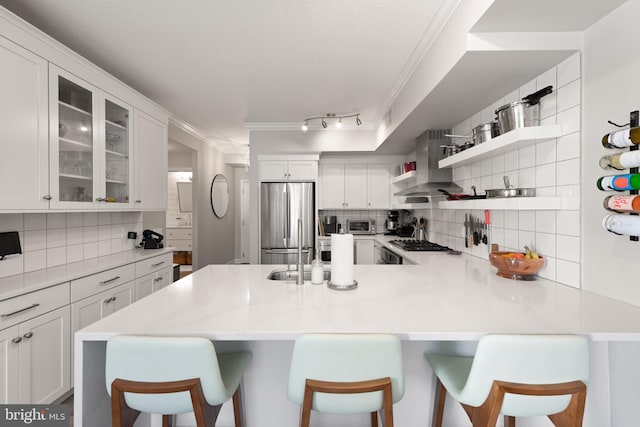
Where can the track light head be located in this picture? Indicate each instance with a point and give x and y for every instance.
(339, 124)
(305, 126)
(324, 124)
(358, 121)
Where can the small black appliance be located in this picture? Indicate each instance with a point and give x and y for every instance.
(151, 240)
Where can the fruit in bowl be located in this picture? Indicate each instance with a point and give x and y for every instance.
(518, 265)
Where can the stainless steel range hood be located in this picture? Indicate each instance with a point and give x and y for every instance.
(429, 178)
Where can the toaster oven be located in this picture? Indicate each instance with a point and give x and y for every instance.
(361, 226)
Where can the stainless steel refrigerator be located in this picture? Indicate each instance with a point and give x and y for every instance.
(282, 205)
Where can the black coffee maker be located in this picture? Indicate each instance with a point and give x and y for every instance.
(392, 223)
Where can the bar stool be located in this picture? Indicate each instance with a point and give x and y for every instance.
(346, 374)
(154, 374)
(541, 375)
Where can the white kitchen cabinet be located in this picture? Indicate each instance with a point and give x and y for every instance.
(365, 251)
(357, 186)
(378, 187)
(9, 359)
(45, 358)
(24, 118)
(98, 306)
(90, 145)
(153, 282)
(332, 189)
(179, 238)
(288, 170)
(151, 162)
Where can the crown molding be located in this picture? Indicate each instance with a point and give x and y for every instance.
(440, 18)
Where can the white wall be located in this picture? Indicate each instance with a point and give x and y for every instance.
(612, 90)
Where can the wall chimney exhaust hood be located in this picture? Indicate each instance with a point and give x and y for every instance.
(429, 178)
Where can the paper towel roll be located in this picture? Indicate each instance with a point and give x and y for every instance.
(342, 259)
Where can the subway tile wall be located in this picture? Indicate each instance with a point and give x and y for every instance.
(552, 167)
(52, 239)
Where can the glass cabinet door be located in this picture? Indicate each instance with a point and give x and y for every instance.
(75, 142)
(117, 146)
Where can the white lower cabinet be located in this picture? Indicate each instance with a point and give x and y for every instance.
(365, 251)
(9, 358)
(96, 307)
(35, 359)
(45, 358)
(153, 282)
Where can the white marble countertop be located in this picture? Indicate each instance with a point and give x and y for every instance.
(20, 284)
(448, 297)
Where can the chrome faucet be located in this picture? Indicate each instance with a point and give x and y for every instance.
(300, 278)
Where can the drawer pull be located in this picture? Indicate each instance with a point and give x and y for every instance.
(4, 316)
(109, 300)
(109, 281)
(157, 264)
(28, 335)
(157, 279)
(16, 340)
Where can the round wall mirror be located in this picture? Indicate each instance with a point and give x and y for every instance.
(219, 195)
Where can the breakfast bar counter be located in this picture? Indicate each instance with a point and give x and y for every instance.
(447, 302)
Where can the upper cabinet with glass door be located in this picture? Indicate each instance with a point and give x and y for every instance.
(90, 146)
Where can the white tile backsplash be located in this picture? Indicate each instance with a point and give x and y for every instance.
(551, 166)
(53, 239)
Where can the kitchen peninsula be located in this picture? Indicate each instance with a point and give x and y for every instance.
(447, 302)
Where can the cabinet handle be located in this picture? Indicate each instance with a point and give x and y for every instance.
(28, 335)
(101, 199)
(19, 311)
(138, 201)
(157, 264)
(47, 197)
(157, 279)
(109, 281)
(108, 300)
(16, 340)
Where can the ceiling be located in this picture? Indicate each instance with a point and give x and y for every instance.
(217, 64)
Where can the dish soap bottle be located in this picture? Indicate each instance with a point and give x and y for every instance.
(317, 273)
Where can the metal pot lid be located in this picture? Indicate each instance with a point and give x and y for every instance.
(512, 104)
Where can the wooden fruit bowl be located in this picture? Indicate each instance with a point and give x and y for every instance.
(517, 268)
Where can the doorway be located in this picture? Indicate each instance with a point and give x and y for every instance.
(244, 218)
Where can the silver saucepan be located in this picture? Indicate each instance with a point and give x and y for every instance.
(508, 191)
(522, 113)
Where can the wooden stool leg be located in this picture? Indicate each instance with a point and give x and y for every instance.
(237, 408)
(438, 404)
(374, 419)
(509, 421)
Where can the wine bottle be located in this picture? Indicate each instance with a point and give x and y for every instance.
(630, 181)
(623, 204)
(622, 138)
(620, 161)
(622, 224)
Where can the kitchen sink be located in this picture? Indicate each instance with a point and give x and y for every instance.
(292, 275)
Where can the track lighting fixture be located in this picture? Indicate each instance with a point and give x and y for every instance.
(329, 116)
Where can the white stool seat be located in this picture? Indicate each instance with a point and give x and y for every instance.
(162, 360)
(343, 366)
(538, 361)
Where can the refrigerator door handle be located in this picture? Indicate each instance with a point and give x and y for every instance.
(284, 251)
(288, 219)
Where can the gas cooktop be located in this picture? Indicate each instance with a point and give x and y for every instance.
(419, 246)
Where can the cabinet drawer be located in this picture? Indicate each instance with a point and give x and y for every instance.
(153, 264)
(180, 245)
(28, 306)
(179, 233)
(102, 281)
